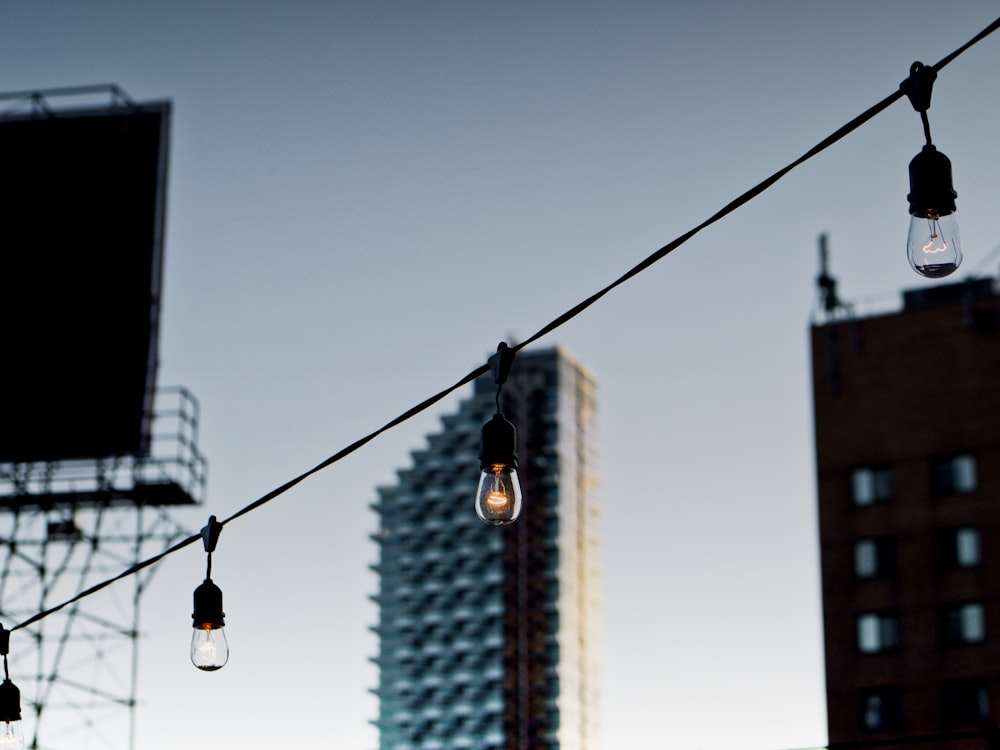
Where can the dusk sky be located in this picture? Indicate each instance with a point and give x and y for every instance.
(365, 197)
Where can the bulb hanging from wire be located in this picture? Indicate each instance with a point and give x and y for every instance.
(11, 733)
(209, 645)
(498, 497)
(933, 247)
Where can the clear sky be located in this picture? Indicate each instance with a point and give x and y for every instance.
(365, 197)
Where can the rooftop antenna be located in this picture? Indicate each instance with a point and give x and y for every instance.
(828, 299)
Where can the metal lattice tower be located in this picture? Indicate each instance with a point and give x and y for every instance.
(65, 526)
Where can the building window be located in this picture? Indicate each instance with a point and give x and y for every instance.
(875, 557)
(963, 623)
(881, 708)
(957, 548)
(871, 485)
(951, 475)
(964, 702)
(878, 632)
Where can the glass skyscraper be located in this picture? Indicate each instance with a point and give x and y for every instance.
(489, 635)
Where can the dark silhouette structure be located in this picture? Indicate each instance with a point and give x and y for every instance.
(93, 455)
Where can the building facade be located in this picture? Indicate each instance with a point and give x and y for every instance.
(489, 635)
(907, 420)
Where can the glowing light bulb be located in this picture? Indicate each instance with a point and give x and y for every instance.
(11, 737)
(498, 498)
(932, 246)
(209, 648)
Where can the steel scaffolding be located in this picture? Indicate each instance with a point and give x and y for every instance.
(65, 526)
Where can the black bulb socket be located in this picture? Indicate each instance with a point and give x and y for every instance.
(931, 189)
(208, 606)
(499, 444)
(10, 701)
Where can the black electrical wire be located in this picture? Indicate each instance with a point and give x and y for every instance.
(423, 405)
(556, 323)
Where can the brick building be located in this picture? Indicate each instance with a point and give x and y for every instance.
(907, 422)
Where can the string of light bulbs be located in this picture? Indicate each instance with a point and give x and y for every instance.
(11, 734)
(498, 498)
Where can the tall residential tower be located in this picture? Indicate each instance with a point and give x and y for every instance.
(489, 635)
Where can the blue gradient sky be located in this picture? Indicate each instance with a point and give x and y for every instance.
(365, 197)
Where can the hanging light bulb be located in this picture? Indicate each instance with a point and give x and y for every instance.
(932, 246)
(498, 497)
(11, 734)
(209, 647)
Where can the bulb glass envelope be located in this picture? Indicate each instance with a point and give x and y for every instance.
(498, 497)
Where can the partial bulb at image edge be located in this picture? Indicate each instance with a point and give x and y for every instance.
(11, 736)
(11, 733)
(933, 247)
(498, 497)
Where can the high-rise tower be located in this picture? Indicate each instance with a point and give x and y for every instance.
(907, 409)
(488, 636)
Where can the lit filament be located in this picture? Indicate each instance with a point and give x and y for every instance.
(207, 650)
(8, 739)
(497, 498)
(936, 243)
